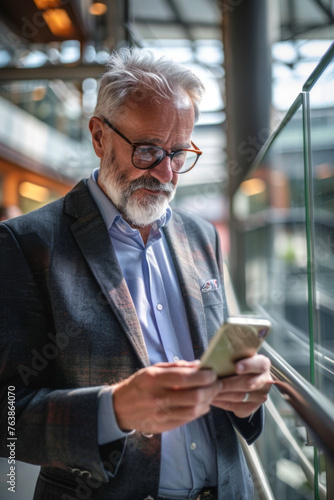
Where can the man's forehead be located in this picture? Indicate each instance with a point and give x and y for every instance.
(143, 97)
(157, 120)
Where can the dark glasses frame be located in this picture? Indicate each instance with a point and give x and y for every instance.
(196, 150)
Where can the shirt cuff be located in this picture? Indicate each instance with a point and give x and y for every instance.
(108, 429)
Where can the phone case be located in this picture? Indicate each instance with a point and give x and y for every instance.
(237, 338)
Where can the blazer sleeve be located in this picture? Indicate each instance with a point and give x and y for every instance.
(250, 428)
(53, 427)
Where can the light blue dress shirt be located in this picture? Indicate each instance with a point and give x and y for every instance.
(188, 458)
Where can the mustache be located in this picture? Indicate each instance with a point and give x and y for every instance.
(152, 184)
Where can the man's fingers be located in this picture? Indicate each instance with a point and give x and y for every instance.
(165, 419)
(180, 377)
(245, 392)
(259, 396)
(193, 397)
(254, 364)
(181, 362)
(163, 396)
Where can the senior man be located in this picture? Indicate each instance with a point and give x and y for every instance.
(108, 298)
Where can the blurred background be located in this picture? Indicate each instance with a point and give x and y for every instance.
(265, 179)
(52, 53)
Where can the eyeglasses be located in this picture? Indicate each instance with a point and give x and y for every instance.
(146, 156)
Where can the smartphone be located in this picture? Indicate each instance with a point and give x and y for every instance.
(239, 337)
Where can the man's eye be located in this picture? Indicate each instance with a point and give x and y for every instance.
(180, 154)
(147, 151)
(144, 149)
(147, 154)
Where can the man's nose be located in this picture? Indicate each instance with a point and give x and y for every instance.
(163, 171)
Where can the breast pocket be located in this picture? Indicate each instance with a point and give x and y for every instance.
(214, 310)
(212, 297)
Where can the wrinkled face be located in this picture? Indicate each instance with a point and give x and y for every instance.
(142, 196)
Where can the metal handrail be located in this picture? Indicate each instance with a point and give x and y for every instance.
(260, 480)
(303, 461)
(320, 68)
(311, 405)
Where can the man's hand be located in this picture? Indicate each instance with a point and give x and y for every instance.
(164, 396)
(251, 384)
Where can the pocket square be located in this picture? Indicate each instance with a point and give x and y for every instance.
(209, 285)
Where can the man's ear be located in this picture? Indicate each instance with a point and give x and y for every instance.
(96, 128)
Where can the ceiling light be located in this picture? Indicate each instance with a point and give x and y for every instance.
(47, 4)
(97, 8)
(59, 22)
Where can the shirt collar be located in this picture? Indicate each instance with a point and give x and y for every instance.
(109, 212)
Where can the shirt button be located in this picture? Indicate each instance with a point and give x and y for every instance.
(193, 446)
(176, 358)
(160, 307)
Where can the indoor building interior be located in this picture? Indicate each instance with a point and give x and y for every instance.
(265, 180)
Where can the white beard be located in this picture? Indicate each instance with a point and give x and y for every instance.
(138, 210)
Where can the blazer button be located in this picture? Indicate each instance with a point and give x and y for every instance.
(147, 436)
(75, 471)
(86, 474)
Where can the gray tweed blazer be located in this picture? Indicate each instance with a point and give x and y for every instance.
(68, 326)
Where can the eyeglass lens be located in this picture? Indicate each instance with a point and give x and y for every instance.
(148, 156)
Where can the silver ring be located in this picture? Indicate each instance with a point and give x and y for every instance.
(246, 396)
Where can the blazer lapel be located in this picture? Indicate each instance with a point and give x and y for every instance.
(180, 249)
(90, 233)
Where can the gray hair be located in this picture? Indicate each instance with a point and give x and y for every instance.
(135, 71)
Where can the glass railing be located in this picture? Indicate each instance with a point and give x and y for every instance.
(319, 131)
(270, 209)
(284, 219)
